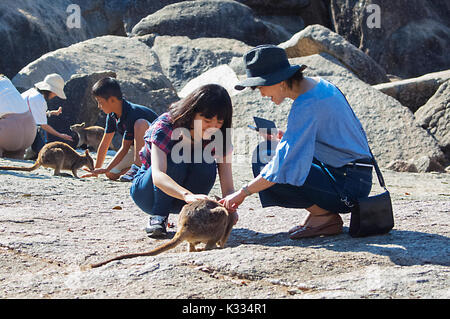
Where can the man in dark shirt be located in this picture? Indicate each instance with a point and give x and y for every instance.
(130, 120)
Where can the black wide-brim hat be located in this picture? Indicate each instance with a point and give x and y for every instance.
(267, 65)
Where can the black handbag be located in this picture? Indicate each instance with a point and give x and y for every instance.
(371, 215)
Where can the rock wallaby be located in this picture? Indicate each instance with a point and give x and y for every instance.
(59, 156)
(204, 221)
(91, 136)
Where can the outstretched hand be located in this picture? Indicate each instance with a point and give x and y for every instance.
(67, 137)
(94, 173)
(232, 201)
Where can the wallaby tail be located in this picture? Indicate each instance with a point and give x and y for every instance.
(25, 169)
(175, 241)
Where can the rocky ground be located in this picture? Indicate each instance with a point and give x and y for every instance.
(51, 226)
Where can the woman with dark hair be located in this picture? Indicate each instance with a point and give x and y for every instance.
(322, 130)
(184, 149)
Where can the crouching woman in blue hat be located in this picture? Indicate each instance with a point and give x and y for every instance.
(321, 128)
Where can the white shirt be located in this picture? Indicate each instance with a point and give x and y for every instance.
(10, 99)
(38, 105)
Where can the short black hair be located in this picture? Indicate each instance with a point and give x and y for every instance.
(297, 77)
(107, 87)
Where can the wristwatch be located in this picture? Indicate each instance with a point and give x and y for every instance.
(245, 189)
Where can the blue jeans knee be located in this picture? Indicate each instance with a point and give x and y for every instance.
(199, 178)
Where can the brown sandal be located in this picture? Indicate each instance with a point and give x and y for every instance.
(298, 227)
(295, 228)
(328, 229)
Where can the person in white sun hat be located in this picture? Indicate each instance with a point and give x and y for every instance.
(36, 99)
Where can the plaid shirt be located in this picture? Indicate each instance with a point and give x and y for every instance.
(160, 134)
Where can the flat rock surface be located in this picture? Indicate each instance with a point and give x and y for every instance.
(51, 226)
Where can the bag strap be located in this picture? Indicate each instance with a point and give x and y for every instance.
(375, 165)
(374, 162)
(378, 171)
(28, 102)
(344, 199)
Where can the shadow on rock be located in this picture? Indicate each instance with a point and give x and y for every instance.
(403, 247)
(26, 175)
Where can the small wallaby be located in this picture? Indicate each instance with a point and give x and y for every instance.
(59, 156)
(203, 221)
(91, 136)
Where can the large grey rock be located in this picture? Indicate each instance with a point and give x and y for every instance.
(25, 37)
(410, 40)
(392, 132)
(222, 75)
(186, 63)
(137, 10)
(286, 14)
(104, 16)
(210, 18)
(414, 92)
(316, 39)
(183, 59)
(281, 6)
(435, 117)
(134, 63)
(29, 29)
(293, 15)
(281, 13)
(287, 24)
(317, 12)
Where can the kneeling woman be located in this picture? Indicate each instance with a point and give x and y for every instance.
(184, 149)
(321, 129)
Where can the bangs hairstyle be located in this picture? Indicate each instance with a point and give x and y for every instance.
(209, 101)
(107, 87)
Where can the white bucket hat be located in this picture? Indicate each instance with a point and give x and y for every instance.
(53, 83)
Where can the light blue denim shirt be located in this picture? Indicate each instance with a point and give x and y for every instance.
(320, 125)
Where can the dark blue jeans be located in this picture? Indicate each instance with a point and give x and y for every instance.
(352, 181)
(39, 141)
(199, 178)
